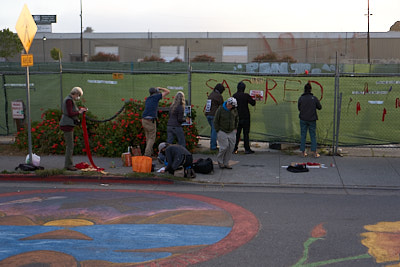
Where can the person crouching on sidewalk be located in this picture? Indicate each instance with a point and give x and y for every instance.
(226, 122)
(176, 156)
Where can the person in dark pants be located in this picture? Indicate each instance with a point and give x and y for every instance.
(214, 100)
(69, 119)
(176, 156)
(243, 100)
(307, 106)
(176, 118)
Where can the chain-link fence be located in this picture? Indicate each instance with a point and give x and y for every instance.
(363, 110)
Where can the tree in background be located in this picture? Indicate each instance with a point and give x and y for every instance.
(273, 57)
(203, 58)
(56, 54)
(10, 45)
(104, 57)
(153, 58)
(88, 30)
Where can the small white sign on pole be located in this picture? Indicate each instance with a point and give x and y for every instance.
(17, 109)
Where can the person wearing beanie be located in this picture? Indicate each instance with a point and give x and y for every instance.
(149, 117)
(225, 122)
(214, 100)
(69, 119)
(307, 106)
(243, 100)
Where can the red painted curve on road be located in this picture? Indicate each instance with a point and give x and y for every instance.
(245, 226)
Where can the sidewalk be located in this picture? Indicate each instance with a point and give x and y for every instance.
(358, 168)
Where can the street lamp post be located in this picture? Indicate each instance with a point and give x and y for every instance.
(44, 54)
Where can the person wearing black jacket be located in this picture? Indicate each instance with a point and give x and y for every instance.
(243, 100)
(307, 106)
(176, 156)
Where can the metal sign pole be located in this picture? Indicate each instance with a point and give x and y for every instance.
(28, 112)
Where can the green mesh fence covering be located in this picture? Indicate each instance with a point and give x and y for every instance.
(370, 106)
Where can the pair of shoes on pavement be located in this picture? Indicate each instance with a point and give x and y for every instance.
(189, 173)
(315, 154)
(249, 152)
(72, 168)
(222, 166)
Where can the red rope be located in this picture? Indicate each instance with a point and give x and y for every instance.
(86, 139)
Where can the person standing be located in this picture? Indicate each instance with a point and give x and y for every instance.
(149, 117)
(225, 122)
(69, 119)
(176, 118)
(243, 100)
(214, 100)
(307, 106)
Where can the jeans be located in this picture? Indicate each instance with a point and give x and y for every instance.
(309, 126)
(177, 132)
(213, 136)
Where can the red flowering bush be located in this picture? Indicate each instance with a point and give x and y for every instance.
(47, 138)
(108, 139)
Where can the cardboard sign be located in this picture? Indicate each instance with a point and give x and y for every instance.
(257, 95)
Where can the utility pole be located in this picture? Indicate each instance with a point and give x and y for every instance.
(368, 39)
(81, 35)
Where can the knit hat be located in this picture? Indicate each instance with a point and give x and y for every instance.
(161, 146)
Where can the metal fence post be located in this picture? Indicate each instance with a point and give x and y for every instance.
(189, 80)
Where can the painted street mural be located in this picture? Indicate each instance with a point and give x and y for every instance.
(82, 227)
(382, 241)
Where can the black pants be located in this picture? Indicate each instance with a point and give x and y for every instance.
(187, 163)
(245, 125)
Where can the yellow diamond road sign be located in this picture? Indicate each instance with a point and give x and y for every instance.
(26, 28)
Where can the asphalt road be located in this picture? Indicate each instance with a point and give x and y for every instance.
(296, 226)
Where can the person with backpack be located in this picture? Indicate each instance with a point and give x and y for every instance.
(307, 106)
(225, 122)
(214, 100)
(243, 100)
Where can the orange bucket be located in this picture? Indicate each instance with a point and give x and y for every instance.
(126, 159)
(142, 164)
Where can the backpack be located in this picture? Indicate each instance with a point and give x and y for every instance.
(28, 167)
(204, 166)
(298, 168)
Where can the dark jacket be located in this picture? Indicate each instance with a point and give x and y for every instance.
(308, 105)
(214, 100)
(243, 100)
(226, 120)
(174, 156)
(176, 117)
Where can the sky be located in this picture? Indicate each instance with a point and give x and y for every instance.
(209, 15)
